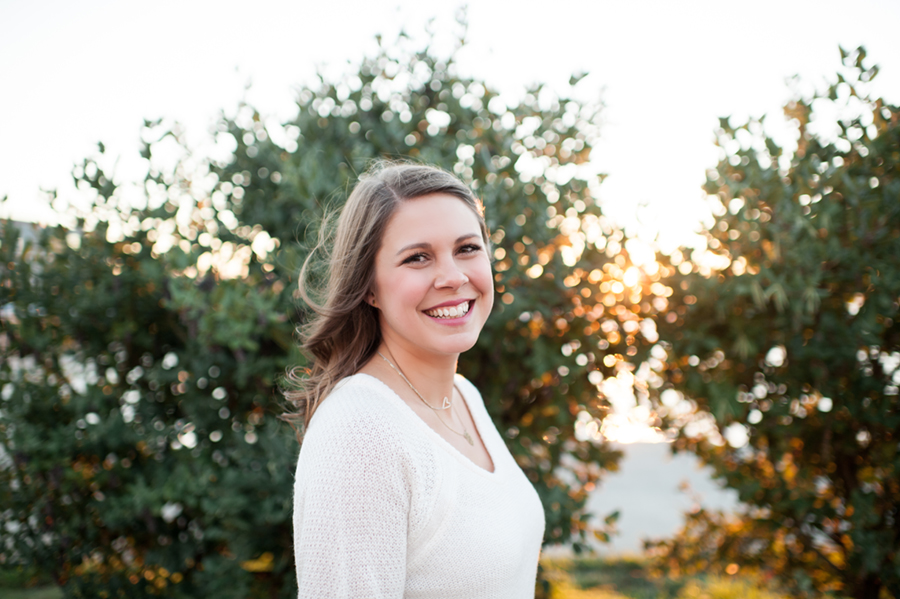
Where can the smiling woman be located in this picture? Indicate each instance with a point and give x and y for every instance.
(404, 487)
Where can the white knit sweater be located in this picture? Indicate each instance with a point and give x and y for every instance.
(384, 507)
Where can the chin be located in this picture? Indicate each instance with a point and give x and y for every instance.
(456, 344)
(462, 345)
(463, 348)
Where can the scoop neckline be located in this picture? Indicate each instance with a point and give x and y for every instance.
(460, 456)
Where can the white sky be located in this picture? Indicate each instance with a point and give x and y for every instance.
(74, 73)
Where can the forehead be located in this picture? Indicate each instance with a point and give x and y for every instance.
(434, 215)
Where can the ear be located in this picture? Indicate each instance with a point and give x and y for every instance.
(370, 299)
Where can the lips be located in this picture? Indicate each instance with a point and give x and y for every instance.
(457, 311)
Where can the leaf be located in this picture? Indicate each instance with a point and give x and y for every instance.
(743, 347)
(776, 292)
(811, 297)
(759, 296)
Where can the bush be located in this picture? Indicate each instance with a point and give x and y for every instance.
(792, 347)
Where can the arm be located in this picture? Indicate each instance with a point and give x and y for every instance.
(351, 506)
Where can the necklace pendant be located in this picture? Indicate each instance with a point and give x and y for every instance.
(469, 438)
(446, 403)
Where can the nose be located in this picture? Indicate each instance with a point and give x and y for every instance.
(449, 275)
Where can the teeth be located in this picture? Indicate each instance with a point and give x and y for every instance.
(451, 312)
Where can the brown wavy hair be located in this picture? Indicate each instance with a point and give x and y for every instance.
(344, 332)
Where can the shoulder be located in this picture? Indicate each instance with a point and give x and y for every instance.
(356, 440)
(354, 402)
(358, 418)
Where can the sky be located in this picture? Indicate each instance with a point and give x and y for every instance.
(75, 73)
(652, 490)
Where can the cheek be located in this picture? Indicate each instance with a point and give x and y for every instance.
(406, 290)
(485, 281)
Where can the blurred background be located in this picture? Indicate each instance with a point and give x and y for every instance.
(694, 209)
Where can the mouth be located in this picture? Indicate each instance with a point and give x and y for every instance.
(450, 312)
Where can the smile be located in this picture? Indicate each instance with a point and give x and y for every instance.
(450, 311)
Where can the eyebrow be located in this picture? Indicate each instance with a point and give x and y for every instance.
(420, 245)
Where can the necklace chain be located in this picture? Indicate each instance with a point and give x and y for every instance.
(446, 403)
(444, 406)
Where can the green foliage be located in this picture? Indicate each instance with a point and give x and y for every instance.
(796, 342)
(144, 440)
(142, 346)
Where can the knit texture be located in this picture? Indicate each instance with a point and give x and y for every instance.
(384, 507)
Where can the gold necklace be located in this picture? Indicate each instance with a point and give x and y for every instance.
(446, 403)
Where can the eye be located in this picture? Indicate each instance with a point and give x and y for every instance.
(470, 248)
(414, 258)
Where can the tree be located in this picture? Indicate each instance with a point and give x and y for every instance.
(142, 345)
(792, 345)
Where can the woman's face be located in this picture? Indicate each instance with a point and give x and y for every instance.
(433, 285)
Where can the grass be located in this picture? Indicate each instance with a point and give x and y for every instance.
(581, 578)
(24, 583)
(35, 593)
(628, 578)
(717, 587)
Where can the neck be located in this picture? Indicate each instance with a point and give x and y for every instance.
(431, 375)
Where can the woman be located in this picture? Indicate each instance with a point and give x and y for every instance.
(404, 487)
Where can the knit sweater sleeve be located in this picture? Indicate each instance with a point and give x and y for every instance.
(351, 501)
